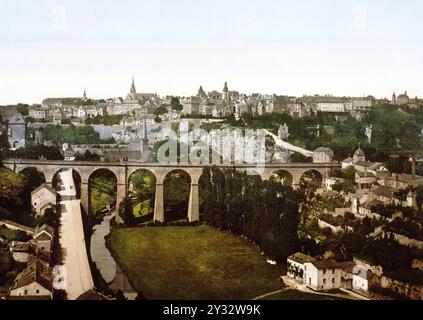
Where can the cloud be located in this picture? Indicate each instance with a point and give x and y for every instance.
(360, 18)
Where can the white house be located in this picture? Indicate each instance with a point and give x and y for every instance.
(37, 113)
(42, 198)
(81, 113)
(323, 155)
(295, 266)
(360, 280)
(93, 111)
(331, 106)
(323, 275)
(35, 282)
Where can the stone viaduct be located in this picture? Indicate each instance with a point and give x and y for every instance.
(124, 170)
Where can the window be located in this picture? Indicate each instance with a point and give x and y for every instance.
(37, 291)
(324, 281)
(324, 271)
(333, 280)
(25, 292)
(333, 271)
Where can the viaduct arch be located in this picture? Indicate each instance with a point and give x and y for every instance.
(123, 170)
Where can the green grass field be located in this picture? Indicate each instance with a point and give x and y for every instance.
(142, 209)
(192, 263)
(103, 193)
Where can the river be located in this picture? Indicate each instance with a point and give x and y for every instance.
(105, 262)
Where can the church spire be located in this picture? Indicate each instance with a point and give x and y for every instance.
(133, 90)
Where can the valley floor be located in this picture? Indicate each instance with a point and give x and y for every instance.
(196, 263)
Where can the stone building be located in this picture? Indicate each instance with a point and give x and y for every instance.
(42, 198)
(35, 282)
(403, 99)
(43, 238)
(17, 131)
(191, 106)
(323, 155)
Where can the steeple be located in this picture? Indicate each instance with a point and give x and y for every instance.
(133, 90)
(84, 96)
(225, 87)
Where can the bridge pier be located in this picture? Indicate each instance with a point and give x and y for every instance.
(120, 196)
(85, 197)
(159, 203)
(194, 203)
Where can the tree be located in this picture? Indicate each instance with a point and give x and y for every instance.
(23, 109)
(36, 152)
(388, 253)
(177, 186)
(72, 135)
(175, 104)
(160, 111)
(87, 156)
(126, 213)
(419, 197)
(4, 141)
(264, 211)
(345, 186)
(11, 186)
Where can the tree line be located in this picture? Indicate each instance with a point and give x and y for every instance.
(266, 212)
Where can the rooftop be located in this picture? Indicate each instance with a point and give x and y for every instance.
(36, 271)
(301, 258)
(384, 191)
(45, 228)
(326, 264)
(359, 152)
(44, 186)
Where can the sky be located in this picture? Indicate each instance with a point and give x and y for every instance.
(58, 48)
